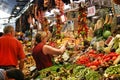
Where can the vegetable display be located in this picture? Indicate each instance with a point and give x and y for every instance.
(113, 71)
(91, 58)
(69, 72)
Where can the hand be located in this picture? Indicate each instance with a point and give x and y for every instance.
(63, 48)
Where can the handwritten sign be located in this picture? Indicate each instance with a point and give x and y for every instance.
(91, 11)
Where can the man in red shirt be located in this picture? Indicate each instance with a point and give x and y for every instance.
(11, 50)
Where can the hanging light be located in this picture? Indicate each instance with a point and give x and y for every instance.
(17, 7)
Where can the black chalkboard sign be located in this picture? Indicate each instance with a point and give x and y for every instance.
(118, 20)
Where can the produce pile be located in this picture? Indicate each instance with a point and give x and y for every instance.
(113, 71)
(77, 72)
(92, 58)
(89, 64)
(102, 29)
(85, 59)
(68, 72)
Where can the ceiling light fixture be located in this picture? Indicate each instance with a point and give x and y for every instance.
(12, 15)
(14, 12)
(17, 7)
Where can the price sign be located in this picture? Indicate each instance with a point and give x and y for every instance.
(91, 11)
(63, 18)
(118, 20)
(82, 0)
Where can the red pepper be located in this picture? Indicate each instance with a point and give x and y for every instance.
(107, 59)
(83, 60)
(94, 63)
(114, 57)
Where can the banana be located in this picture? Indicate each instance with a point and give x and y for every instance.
(110, 19)
(106, 19)
(116, 43)
(99, 24)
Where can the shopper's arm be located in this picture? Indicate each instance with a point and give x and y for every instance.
(21, 56)
(21, 64)
(53, 51)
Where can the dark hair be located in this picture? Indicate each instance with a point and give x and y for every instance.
(1, 34)
(15, 74)
(38, 37)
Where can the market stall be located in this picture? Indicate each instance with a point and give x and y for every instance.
(89, 27)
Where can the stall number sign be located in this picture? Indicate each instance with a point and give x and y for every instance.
(91, 11)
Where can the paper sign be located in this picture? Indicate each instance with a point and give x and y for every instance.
(63, 18)
(91, 11)
(82, 0)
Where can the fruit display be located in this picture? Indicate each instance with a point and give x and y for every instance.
(102, 29)
(86, 57)
(81, 62)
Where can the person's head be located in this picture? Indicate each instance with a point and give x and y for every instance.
(11, 74)
(14, 74)
(42, 37)
(9, 30)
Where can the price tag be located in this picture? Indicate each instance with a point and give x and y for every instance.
(91, 11)
(82, 0)
(63, 18)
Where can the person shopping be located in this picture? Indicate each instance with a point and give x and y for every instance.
(11, 50)
(11, 74)
(42, 52)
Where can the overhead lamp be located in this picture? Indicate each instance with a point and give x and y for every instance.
(12, 15)
(14, 12)
(17, 7)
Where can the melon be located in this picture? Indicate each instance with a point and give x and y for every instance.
(106, 34)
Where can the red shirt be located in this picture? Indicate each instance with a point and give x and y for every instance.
(42, 60)
(10, 51)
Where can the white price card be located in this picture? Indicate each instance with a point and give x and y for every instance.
(91, 11)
